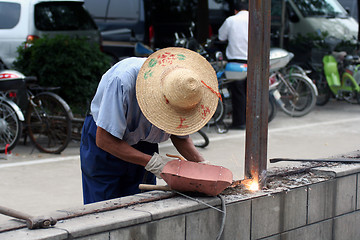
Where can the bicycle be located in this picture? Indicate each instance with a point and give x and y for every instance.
(295, 93)
(46, 117)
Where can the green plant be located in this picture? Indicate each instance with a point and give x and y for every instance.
(74, 64)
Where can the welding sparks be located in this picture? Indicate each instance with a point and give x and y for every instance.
(254, 186)
(251, 184)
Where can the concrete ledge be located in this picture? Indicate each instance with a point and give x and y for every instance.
(309, 205)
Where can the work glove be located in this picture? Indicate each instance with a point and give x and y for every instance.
(157, 163)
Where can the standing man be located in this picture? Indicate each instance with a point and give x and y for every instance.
(235, 30)
(139, 103)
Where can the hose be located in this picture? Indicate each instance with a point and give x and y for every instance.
(223, 206)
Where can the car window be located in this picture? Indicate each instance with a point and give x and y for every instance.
(124, 9)
(97, 8)
(62, 16)
(327, 8)
(9, 15)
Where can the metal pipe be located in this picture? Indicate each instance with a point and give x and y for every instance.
(257, 90)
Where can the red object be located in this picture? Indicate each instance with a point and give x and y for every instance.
(151, 33)
(8, 76)
(186, 176)
(30, 39)
(6, 149)
(12, 94)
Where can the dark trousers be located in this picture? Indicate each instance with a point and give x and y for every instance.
(238, 100)
(105, 176)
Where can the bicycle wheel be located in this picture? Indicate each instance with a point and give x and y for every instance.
(219, 113)
(200, 139)
(272, 108)
(10, 127)
(294, 69)
(304, 99)
(48, 122)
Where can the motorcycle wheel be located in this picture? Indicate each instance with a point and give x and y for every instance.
(304, 102)
(272, 108)
(219, 112)
(351, 97)
(324, 93)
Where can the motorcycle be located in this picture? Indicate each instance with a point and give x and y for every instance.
(227, 73)
(335, 74)
(342, 74)
(292, 92)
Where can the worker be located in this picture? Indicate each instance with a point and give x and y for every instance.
(139, 103)
(235, 30)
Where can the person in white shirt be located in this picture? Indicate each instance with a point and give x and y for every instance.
(235, 31)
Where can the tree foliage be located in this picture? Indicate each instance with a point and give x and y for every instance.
(74, 64)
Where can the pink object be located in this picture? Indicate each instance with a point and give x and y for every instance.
(186, 176)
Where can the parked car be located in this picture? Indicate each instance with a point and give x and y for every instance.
(303, 17)
(123, 23)
(23, 21)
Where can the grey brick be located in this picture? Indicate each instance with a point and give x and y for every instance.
(175, 206)
(204, 224)
(318, 231)
(237, 225)
(93, 224)
(169, 228)
(278, 213)
(346, 227)
(321, 204)
(358, 192)
(26, 234)
(345, 194)
(99, 236)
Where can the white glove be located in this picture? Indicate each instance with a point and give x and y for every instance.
(157, 163)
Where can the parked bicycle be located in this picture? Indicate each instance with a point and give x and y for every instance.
(29, 109)
(296, 93)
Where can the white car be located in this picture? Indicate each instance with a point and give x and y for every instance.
(25, 20)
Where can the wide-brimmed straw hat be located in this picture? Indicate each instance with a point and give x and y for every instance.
(177, 90)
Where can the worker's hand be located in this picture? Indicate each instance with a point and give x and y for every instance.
(157, 163)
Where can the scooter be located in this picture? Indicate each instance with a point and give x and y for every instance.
(342, 74)
(227, 73)
(294, 93)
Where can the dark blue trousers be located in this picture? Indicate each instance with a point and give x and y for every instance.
(105, 176)
(238, 99)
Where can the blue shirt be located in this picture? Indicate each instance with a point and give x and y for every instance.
(115, 107)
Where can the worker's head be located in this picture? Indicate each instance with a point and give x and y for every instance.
(177, 90)
(240, 5)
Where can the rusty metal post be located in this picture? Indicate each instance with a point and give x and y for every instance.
(257, 90)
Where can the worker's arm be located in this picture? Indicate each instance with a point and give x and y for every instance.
(187, 149)
(120, 148)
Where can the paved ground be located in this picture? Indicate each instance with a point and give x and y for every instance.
(39, 183)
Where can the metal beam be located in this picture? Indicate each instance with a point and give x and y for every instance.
(257, 90)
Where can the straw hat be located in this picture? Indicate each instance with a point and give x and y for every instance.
(177, 90)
